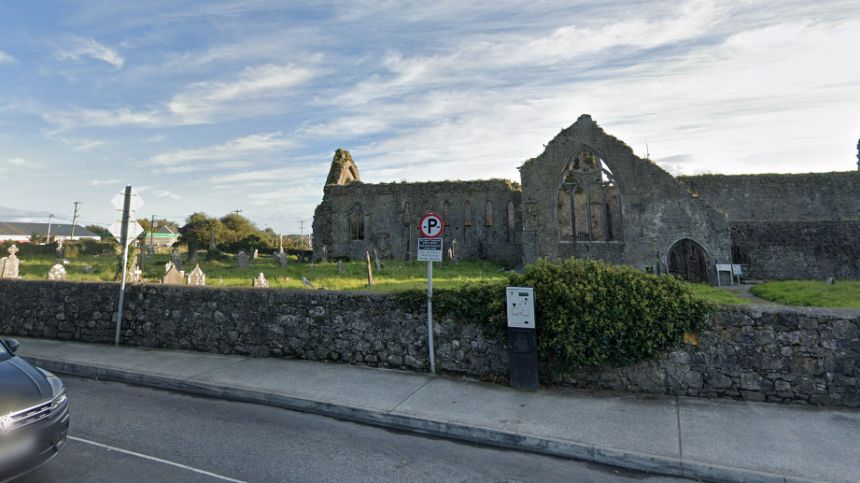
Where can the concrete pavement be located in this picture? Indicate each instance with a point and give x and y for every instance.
(706, 439)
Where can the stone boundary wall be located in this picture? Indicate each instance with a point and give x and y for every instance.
(757, 353)
(358, 328)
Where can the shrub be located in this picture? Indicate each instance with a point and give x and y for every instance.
(588, 313)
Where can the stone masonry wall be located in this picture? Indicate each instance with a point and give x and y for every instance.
(348, 327)
(797, 250)
(392, 211)
(789, 226)
(757, 353)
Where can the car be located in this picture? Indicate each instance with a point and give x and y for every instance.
(34, 414)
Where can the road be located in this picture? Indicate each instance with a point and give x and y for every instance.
(127, 434)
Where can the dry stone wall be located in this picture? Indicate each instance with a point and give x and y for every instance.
(757, 353)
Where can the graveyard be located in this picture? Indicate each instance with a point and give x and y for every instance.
(396, 276)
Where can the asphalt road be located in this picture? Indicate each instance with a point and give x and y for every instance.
(127, 434)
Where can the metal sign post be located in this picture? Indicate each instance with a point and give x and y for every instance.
(124, 243)
(130, 201)
(430, 249)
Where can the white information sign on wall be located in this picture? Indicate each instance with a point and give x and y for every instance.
(429, 249)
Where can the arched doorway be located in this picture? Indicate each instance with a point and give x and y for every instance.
(688, 261)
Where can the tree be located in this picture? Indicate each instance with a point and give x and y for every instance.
(198, 231)
(100, 231)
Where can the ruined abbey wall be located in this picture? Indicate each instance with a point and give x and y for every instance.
(789, 226)
(481, 216)
(656, 210)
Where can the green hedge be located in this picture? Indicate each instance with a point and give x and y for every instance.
(588, 313)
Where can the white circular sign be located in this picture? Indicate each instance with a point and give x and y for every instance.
(431, 225)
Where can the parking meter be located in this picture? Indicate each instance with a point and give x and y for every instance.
(523, 354)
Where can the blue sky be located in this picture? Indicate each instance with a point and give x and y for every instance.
(222, 105)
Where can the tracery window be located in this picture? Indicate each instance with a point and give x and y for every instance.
(589, 203)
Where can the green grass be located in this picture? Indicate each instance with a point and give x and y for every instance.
(37, 267)
(395, 275)
(811, 293)
(400, 275)
(717, 295)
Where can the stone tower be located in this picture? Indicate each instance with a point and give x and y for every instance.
(343, 169)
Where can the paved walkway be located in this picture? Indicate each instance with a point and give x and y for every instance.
(715, 440)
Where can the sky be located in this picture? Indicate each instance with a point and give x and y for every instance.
(217, 106)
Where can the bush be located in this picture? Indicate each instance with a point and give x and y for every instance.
(588, 313)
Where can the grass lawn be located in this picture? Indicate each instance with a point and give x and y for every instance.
(395, 275)
(811, 293)
(717, 295)
(400, 275)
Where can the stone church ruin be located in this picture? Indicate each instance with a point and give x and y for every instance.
(589, 196)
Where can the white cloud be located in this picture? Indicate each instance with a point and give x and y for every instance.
(18, 162)
(201, 102)
(76, 47)
(77, 118)
(236, 149)
(6, 58)
(105, 182)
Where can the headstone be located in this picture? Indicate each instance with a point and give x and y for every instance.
(830, 281)
(173, 276)
(255, 254)
(307, 283)
(376, 260)
(369, 270)
(9, 265)
(260, 281)
(197, 277)
(88, 268)
(281, 258)
(57, 272)
(324, 254)
(60, 249)
(340, 266)
(176, 258)
(135, 276)
(243, 260)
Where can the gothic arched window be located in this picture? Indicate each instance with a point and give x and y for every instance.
(589, 204)
(356, 222)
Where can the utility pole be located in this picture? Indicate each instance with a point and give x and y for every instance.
(151, 229)
(238, 211)
(74, 220)
(49, 228)
(302, 232)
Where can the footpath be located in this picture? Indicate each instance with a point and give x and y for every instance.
(705, 439)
